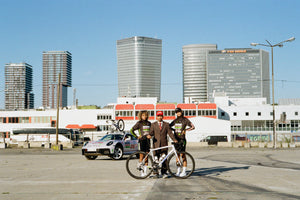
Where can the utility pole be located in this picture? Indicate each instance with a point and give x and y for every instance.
(57, 107)
(280, 44)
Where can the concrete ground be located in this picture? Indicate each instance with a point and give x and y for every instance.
(221, 173)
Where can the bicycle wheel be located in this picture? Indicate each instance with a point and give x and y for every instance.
(176, 167)
(136, 169)
(121, 124)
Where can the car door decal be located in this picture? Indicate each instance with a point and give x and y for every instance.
(127, 144)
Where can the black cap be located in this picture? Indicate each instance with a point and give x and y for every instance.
(178, 110)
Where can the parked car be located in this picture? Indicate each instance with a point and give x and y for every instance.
(114, 145)
(213, 140)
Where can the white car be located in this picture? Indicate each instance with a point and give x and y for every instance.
(114, 145)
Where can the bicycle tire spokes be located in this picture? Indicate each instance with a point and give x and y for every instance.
(181, 166)
(136, 169)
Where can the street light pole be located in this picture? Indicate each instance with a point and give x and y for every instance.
(273, 102)
(280, 44)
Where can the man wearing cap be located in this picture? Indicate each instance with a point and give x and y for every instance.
(181, 123)
(159, 130)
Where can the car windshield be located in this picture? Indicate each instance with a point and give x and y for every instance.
(111, 137)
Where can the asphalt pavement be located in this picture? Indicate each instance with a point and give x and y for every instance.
(221, 173)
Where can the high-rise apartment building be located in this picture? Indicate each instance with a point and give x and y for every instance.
(194, 72)
(139, 67)
(55, 62)
(18, 86)
(240, 73)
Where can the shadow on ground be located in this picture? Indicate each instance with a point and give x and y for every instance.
(216, 170)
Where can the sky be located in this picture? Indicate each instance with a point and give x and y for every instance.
(89, 30)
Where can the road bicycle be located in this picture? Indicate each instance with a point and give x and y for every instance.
(118, 125)
(174, 162)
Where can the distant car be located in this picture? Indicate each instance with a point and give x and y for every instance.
(213, 140)
(114, 145)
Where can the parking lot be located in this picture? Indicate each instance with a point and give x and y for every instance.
(221, 173)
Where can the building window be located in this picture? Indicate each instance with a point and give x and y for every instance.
(259, 113)
(222, 114)
(296, 113)
(207, 113)
(234, 114)
(101, 117)
(247, 113)
(271, 113)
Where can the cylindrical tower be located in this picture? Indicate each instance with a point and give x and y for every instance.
(194, 72)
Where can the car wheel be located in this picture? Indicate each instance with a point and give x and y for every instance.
(91, 157)
(118, 154)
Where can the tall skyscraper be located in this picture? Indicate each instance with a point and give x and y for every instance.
(139, 67)
(55, 62)
(194, 71)
(18, 86)
(240, 73)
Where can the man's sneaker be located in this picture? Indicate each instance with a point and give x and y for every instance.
(182, 174)
(165, 176)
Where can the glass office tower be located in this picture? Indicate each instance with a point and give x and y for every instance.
(18, 86)
(240, 73)
(55, 62)
(139, 67)
(194, 72)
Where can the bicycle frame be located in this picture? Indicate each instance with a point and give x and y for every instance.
(168, 155)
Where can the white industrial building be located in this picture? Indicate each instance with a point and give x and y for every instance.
(251, 117)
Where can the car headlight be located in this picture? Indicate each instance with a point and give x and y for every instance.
(109, 143)
(85, 143)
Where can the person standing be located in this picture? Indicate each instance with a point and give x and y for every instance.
(143, 126)
(159, 130)
(181, 123)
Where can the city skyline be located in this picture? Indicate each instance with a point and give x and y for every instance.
(89, 29)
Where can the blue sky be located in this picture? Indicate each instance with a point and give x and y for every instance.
(89, 30)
